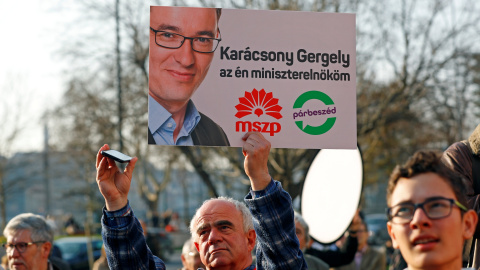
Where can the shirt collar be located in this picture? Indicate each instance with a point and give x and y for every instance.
(157, 115)
(161, 115)
(192, 117)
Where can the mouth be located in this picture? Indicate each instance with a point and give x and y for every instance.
(16, 265)
(217, 251)
(181, 76)
(425, 243)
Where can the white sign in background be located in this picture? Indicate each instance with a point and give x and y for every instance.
(295, 45)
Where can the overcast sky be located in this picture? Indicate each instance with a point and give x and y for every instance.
(30, 61)
(28, 68)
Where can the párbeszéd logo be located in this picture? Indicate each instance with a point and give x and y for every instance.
(313, 115)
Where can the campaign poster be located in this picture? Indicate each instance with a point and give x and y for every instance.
(215, 74)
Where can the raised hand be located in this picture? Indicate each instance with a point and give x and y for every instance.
(112, 183)
(256, 150)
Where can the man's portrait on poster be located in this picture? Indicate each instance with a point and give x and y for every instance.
(182, 45)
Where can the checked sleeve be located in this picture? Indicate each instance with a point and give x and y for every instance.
(273, 220)
(124, 242)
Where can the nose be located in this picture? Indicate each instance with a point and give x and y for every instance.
(214, 236)
(13, 253)
(185, 55)
(420, 219)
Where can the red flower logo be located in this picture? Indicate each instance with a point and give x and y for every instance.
(258, 103)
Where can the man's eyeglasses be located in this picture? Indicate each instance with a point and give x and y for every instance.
(174, 41)
(434, 208)
(21, 246)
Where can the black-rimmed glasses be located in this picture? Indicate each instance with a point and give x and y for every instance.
(20, 246)
(174, 41)
(434, 208)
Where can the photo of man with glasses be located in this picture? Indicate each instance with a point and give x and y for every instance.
(182, 44)
(428, 220)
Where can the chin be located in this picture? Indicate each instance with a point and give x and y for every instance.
(218, 263)
(431, 260)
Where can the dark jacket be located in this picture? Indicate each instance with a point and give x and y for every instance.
(340, 257)
(464, 158)
(371, 260)
(206, 133)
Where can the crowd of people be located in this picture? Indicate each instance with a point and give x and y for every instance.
(431, 220)
(432, 198)
(428, 221)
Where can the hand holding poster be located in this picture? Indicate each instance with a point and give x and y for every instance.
(289, 75)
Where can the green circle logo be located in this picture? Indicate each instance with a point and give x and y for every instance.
(318, 130)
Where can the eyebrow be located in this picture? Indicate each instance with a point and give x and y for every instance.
(169, 27)
(223, 222)
(426, 200)
(206, 33)
(203, 227)
(163, 27)
(216, 224)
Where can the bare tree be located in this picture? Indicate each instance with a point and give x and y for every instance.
(151, 184)
(286, 165)
(474, 65)
(413, 89)
(415, 71)
(88, 111)
(13, 112)
(423, 45)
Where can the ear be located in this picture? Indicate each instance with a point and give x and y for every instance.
(392, 234)
(184, 261)
(45, 248)
(251, 237)
(470, 220)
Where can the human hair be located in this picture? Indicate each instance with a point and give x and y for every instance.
(240, 206)
(304, 224)
(36, 224)
(218, 11)
(427, 161)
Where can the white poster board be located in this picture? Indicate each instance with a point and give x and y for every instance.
(287, 74)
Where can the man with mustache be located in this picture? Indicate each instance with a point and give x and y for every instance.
(428, 220)
(29, 241)
(182, 43)
(224, 230)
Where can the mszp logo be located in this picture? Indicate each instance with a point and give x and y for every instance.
(314, 95)
(258, 103)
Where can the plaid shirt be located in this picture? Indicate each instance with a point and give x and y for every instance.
(277, 243)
